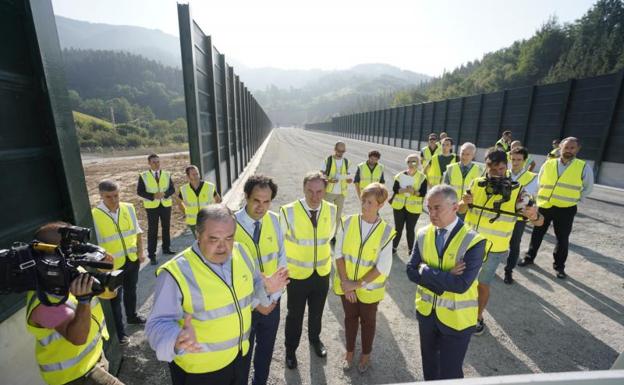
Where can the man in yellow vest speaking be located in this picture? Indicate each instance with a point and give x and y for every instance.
(194, 195)
(201, 317)
(335, 168)
(70, 336)
(563, 182)
(369, 172)
(308, 225)
(118, 232)
(445, 263)
(156, 188)
(259, 230)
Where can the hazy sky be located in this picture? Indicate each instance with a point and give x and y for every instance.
(425, 36)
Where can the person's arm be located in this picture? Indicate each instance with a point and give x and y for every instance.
(141, 190)
(180, 202)
(382, 179)
(281, 259)
(217, 197)
(171, 190)
(413, 270)
(588, 181)
(446, 178)
(396, 186)
(76, 329)
(532, 165)
(356, 182)
(423, 188)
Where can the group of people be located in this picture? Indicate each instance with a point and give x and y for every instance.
(216, 307)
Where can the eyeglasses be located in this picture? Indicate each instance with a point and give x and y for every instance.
(432, 139)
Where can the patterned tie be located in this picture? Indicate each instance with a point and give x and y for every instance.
(256, 234)
(313, 217)
(157, 176)
(439, 240)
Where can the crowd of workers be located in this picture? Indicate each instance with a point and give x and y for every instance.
(216, 307)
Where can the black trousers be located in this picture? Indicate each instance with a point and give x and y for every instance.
(153, 215)
(233, 374)
(407, 220)
(514, 246)
(263, 333)
(128, 292)
(562, 219)
(313, 291)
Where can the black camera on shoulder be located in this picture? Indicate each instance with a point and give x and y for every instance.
(50, 269)
(499, 185)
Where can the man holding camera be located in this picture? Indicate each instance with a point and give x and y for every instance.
(118, 232)
(69, 346)
(492, 205)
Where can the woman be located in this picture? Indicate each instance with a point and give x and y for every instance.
(410, 186)
(363, 262)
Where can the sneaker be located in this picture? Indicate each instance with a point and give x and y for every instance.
(124, 340)
(136, 320)
(526, 261)
(480, 328)
(153, 261)
(508, 278)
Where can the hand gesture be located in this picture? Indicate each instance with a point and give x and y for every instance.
(530, 212)
(459, 268)
(266, 310)
(348, 285)
(351, 296)
(187, 340)
(467, 198)
(277, 281)
(81, 285)
(159, 195)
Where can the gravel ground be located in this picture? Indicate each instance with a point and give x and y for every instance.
(539, 324)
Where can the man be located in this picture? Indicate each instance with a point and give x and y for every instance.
(195, 195)
(504, 143)
(307, 224)
(460, 175)
(201, 317)
(156, 188)
(528, 181)
(443, 135)
(336, 170)
(259, 230)
(438, 163)
(529, 163)
(563, 183)
(369, 172)
(69, 346)
(427, 152)
(494, 218)
(118, 232)
(445, 263)
(555, 152)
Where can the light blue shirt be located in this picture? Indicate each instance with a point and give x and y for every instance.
(243, 218)
(162, 326)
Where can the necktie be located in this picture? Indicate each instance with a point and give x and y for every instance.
(156, 175)
(256, 233)
(313, 217)
(439, 240)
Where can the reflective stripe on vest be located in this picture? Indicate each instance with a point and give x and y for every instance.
(153, 187)
(266, 252)
(456, 310)
(434, 173)
(332, 175)
(307, 248)
(412, 203)
(367, 177)
(119, 238)
(193, 202)
(560, 190)
(458, 182)
(221, 314)
(360, 256)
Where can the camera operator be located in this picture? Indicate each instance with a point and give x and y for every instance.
(69, 337)
(490, 206)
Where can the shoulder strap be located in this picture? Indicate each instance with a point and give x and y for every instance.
(328, 165)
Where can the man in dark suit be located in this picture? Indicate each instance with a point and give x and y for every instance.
(445, 263)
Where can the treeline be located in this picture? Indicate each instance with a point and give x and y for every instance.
(593, 45)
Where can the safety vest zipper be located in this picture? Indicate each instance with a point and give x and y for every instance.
(259, 257)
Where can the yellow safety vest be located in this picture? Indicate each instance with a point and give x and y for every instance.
(367, 177)
(153, 187)
(426, 154)
(554, 153)
(455, 310)
(503, 144)
(434, 173)
(412, 203)
(266, 252)
(360, 257)
(221, 315)
(59, 360)
(118, 238)
(307, 248)
(560, 190)
(498, 233)
(460, 183)
(330, 171)
(525, 178)
(193, 203)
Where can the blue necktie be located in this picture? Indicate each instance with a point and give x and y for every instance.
(439, 240)
(256, 234)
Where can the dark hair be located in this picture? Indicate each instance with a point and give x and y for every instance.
(506, 132)
(433, 134)
(374, 153)
(214, 212)
(448, 139)
(108, 185)
(495, 156)
(261, 181)
(49, 233)
(151, 156)
(188, 169)
(520, 150)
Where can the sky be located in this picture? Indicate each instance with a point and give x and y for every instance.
(426, 36)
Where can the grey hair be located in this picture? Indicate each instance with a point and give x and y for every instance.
(414, 155)
(108, 185)
(314, 175)
(468, 145)
(447, 191)
(215, 212)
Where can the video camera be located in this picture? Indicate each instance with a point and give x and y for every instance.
(503, 186)
(50, 269)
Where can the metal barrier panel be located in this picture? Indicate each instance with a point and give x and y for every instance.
(453, 119)
(546, 116)
(489, 123)
(232, 122)
(220, 120)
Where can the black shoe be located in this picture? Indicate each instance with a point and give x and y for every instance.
(153, 261)
(479, 328)
(508, 278)
(168, 251)
(526, 261)
(136, 320)
(124, 340)
(291, 360)
(319, 349)
(561, 274)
